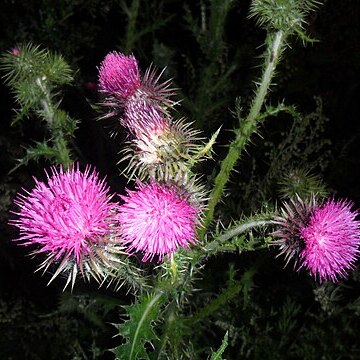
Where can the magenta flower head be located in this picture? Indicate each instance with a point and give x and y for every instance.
(332, 238)
(323, 238)
(120, 79)
(71, 219)
(157, 219)
(119, 75)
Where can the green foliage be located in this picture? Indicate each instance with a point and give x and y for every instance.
(285, 15)
(138, 330)
(34, 75)
(213, 76)
(218, 354)
(298, 145)
(72, 330)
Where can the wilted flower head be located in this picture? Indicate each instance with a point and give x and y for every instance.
(157, 220)
(71, 219)
(119, 75)
(324, 238)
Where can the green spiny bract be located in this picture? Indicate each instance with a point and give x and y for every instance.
(163, 154)
(34, 75)
(285, 15)
(294, 216)
(300, 182)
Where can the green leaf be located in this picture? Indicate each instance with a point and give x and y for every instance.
(138, 329)
(34, 153)
(218, 354)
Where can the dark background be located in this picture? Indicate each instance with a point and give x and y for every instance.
(41, 322)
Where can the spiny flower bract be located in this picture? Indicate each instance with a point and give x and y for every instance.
(157, 219)
(332, 238)
(70, 218)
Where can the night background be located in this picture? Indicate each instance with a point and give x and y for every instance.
(284, 314)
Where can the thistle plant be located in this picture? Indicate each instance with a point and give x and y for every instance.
(165, 217)
(35, 75)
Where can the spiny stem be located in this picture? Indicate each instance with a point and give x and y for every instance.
(46, 102)
(234, 232)
(60, 143)
(246, 129)
(168, 327)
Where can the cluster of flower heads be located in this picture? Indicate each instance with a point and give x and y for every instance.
(72, 217)
(160, 216)
(159, 146)
(73, 220)
(323, 237)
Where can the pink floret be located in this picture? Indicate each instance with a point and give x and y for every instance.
(119, 75)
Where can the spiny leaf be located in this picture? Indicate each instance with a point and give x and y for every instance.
(218, 354)
(34, 153)
(138, 329)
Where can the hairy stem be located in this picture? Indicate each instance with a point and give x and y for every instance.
(247, 126)
(59, 141)
(234, 232)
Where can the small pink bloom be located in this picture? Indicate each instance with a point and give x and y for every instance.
(15, 51)
(332, 239)
(119, 75)
(70, 218)
(157, 220)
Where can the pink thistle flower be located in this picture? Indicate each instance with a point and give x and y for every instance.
(119, 75)
(15, 51)
(157, 220)
(332, 239)
(323, 238)
(71, 219)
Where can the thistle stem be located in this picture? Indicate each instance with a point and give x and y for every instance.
(247, 127)
(59, 141)
(234, 232)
